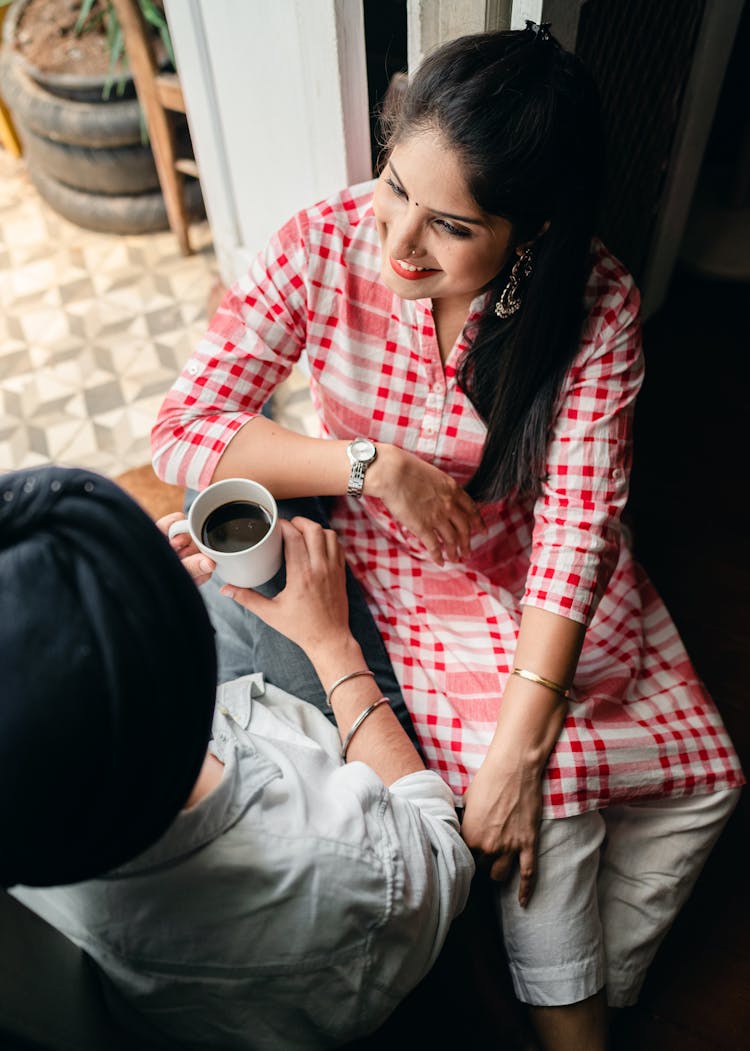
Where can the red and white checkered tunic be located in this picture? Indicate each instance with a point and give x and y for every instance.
(640, 722)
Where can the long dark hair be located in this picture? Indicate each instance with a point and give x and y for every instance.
(523, 115)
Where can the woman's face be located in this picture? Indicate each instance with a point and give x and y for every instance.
(437, 243)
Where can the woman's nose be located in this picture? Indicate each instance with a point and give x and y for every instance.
(408, 239)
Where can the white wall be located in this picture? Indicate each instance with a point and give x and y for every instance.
(276, 93)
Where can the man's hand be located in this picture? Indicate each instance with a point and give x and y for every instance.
(312, 610)
(198, 565)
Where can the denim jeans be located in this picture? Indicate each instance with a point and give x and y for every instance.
(246, 644)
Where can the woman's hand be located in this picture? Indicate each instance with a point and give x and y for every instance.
(198, 565)
(503, 807)
(426, 501)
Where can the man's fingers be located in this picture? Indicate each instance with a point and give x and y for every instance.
(334, 549)
(199, 567)
(166, 521)
(247, 598)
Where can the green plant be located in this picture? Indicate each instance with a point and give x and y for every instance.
(101, 15)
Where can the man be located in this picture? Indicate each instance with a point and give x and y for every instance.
(252, 891)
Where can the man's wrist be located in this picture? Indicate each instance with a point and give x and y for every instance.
(339, 658)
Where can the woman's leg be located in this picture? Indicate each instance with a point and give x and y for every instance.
(554, 945)
(655, 851)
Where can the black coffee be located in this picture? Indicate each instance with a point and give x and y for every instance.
(235, 526)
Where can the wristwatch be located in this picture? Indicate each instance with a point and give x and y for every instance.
(361, 453)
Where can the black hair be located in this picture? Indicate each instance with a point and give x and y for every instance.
(523, 116)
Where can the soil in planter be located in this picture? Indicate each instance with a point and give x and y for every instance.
(46, 38)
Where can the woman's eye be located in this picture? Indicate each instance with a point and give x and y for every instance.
(398, 190)
(454, 231)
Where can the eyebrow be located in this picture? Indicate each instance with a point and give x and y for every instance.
(444, 215)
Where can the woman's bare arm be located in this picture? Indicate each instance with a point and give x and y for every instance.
(424, 499)
(503, 802)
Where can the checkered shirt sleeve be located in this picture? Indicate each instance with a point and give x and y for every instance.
(576, 537)
(252, 343)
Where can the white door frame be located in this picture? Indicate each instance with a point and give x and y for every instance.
(276, 95)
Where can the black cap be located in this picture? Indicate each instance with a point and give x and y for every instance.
(107, 678)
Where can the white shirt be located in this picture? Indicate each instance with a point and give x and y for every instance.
(292, 907)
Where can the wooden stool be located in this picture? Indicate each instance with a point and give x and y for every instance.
(158, 93)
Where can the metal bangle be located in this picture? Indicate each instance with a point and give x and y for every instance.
(345, 678)
(541, 681)
(358, 722)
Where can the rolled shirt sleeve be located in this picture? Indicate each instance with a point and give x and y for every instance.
(252, 343)
(452, 865)
(576, 535)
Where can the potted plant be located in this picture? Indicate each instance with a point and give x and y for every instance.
(64, 75)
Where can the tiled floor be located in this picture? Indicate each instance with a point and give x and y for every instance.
(93, 329)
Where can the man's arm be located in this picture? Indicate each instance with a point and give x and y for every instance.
(312, 611)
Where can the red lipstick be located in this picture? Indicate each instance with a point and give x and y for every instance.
(410, 275)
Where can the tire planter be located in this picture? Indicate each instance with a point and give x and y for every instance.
(94, 124)
(141, 213)
(84, 153)
(104, 170)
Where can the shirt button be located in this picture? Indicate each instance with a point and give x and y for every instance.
(428, 428)
(193, 370)
(438, 388)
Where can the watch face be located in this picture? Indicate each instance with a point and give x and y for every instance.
(362, 450)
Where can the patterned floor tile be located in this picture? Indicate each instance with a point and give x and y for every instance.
(93, 330)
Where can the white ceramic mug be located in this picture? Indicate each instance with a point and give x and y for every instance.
(253, 565)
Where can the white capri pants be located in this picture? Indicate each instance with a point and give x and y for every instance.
(609, 885)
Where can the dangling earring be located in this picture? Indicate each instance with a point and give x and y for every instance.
(509, 302)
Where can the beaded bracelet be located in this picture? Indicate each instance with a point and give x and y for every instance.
(541, 681)
(358, 722)
(345, 678)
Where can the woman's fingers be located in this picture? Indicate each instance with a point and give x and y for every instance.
(501, 867)
(448, 536)
(527, 871)
(503, 863)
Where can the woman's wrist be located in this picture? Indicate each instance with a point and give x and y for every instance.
(530, 722)
(527, 759)
(380, 476)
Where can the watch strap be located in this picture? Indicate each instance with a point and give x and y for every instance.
(356, 479)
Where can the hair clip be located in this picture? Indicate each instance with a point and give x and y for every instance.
(541, 31)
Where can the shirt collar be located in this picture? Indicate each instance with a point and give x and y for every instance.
(246, 773)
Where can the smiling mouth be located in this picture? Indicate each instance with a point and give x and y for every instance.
(409, 271)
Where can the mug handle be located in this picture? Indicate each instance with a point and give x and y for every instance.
(181, 526)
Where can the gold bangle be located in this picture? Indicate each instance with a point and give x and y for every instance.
(541, 681)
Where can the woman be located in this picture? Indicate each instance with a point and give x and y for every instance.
(461, 315)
